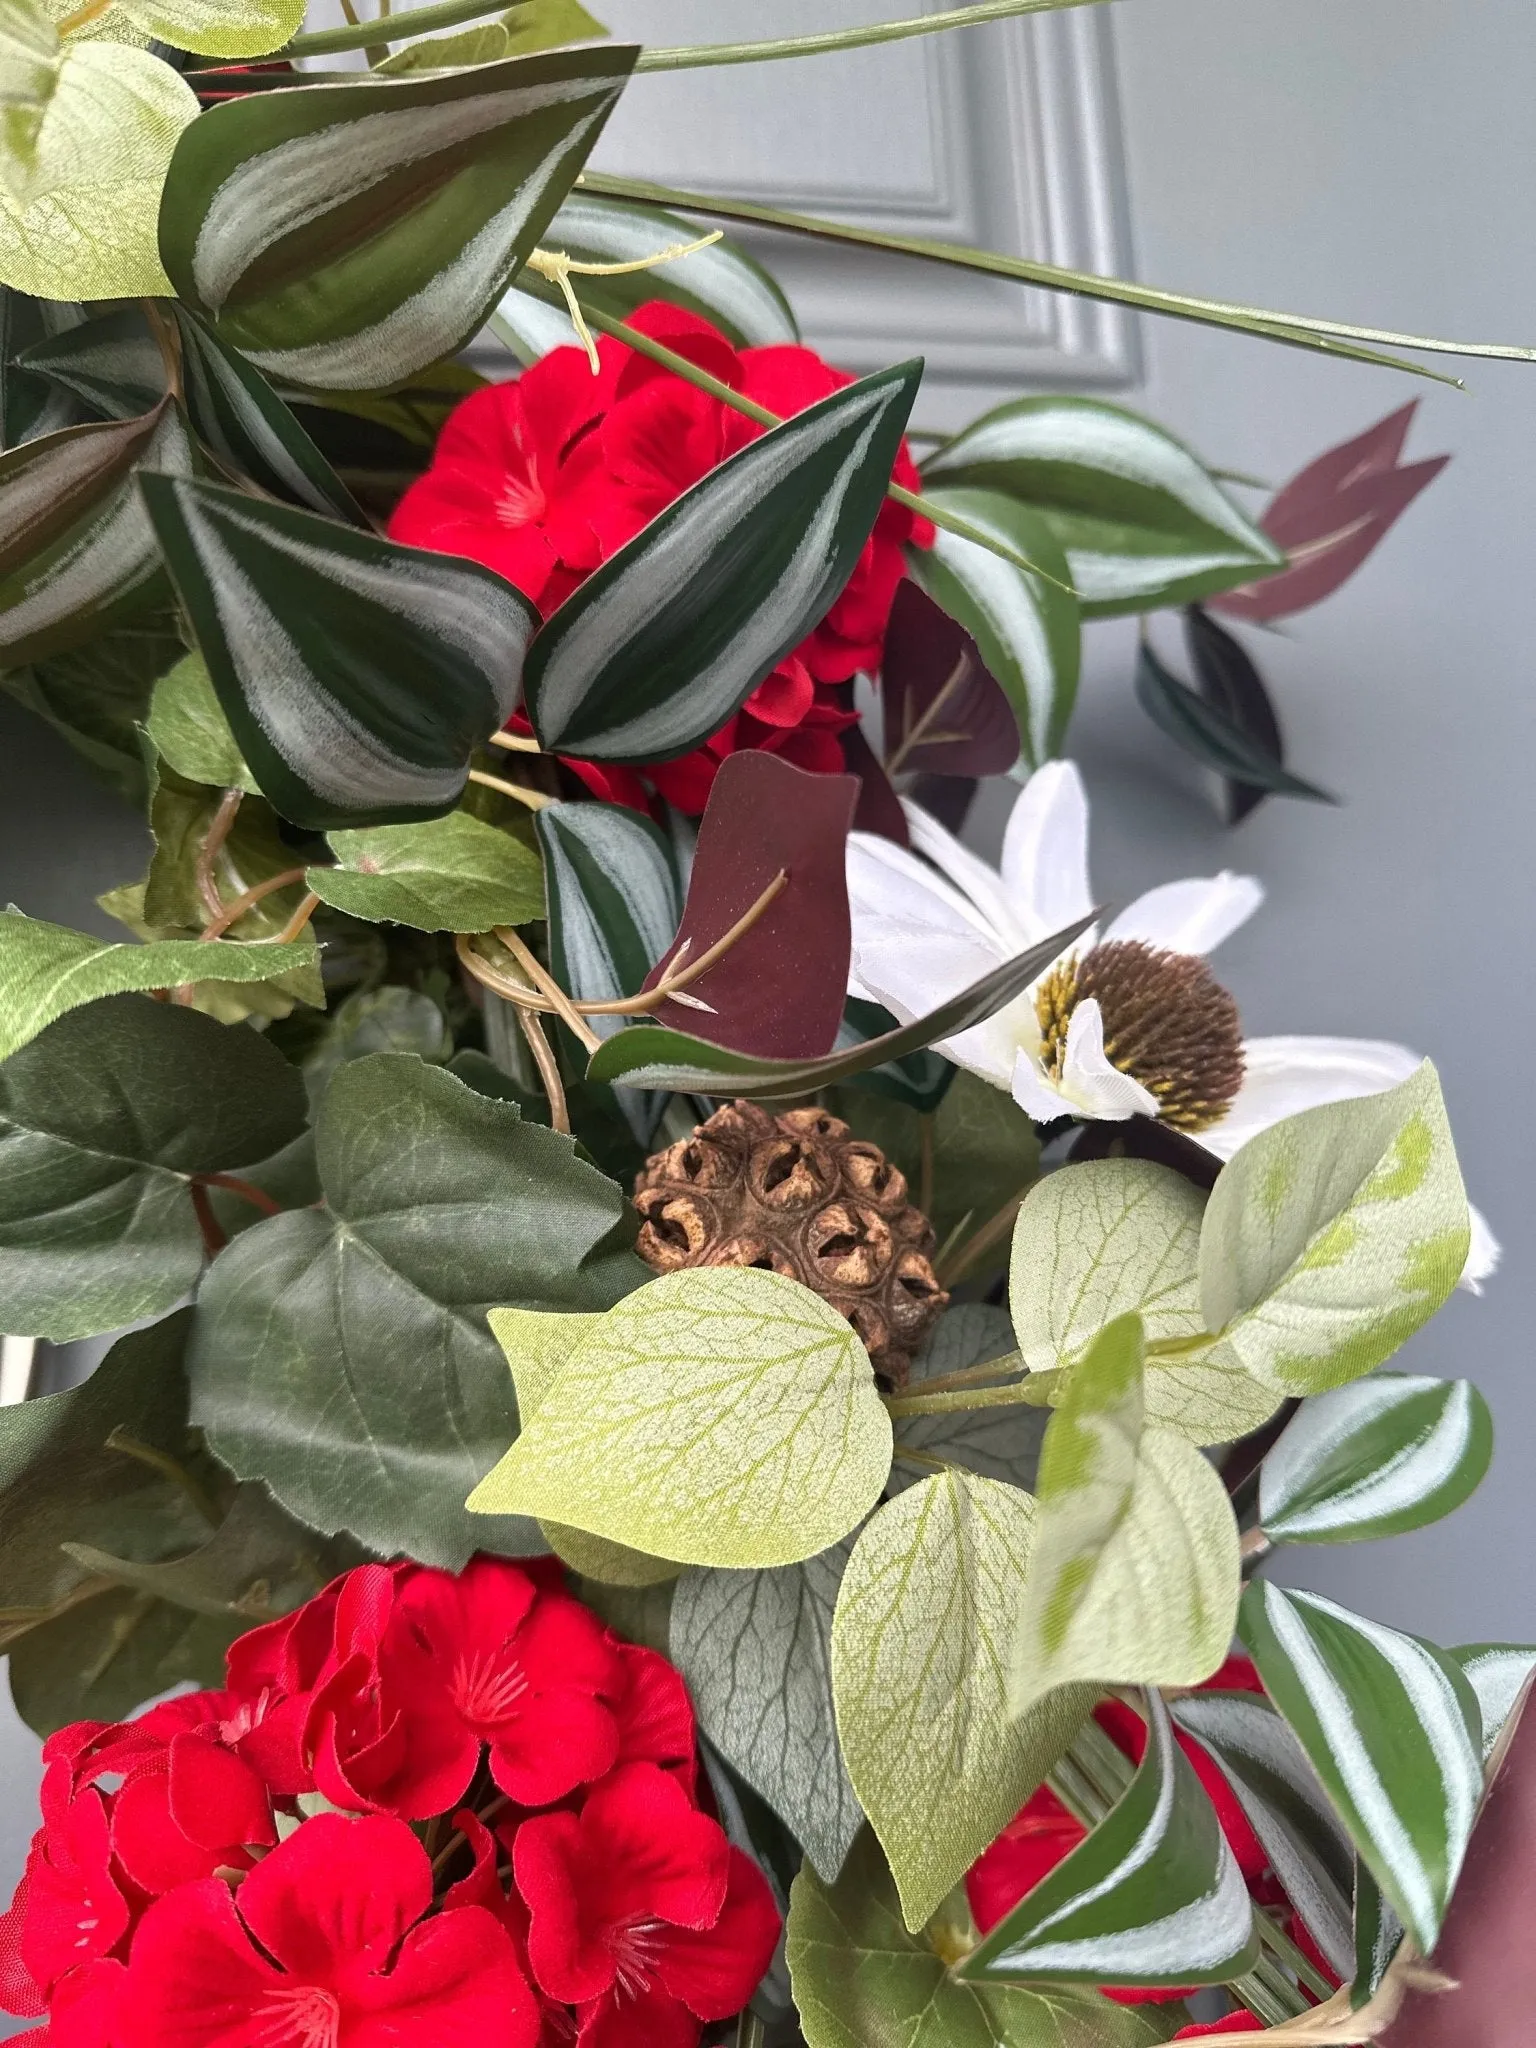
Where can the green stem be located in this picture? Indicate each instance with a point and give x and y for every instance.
(1280, 1945)
(691, 56)
(417, 21)
(1005, 1368)
(1025, 1393)
(1268, 1994)
(169, 1468)
(1330, 337)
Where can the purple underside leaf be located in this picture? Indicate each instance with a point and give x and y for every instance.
(944, 713)
(879, 807)
(779, 990)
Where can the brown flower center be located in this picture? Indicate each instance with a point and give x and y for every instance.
(1168, 1023)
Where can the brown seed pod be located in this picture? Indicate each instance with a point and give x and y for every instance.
(800, 1195)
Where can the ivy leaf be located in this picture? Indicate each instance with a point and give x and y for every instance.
(105, 1658)
(357, 676)
(755, 1649)
(451, 874)
(103, 1119)
(720, 1415)
(1391, 1727)
(1110, 1237)
(862, 1981)
(351, 237)
(920, 1651)
(1330, 1237)
(1152, 1896)
(385, 1396)
(46, 970)
(1135, 1574)
(188, 729)
(669, 637)
(1378, 1457)
(95, 697)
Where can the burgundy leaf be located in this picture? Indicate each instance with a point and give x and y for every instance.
(879, 807)
(1298, 508)
(944, 713)
(778, 991)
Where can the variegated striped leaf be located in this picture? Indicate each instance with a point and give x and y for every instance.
(357, 675)
(1333, 1235)
(346, 236)
(1135, 1574)
(614, 900)
(1286, 1807)
(112, 361)
(76, 549)
(721, 283)
(1142, 521)
(1029, 629)
(665, 641)
(1378, 1934)
(1382, 1455)
(1497, 1673)
(1153, 1896)
(1391, 1726)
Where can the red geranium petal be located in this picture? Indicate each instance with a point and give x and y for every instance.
(648, 2020)
(85, 2007)
(661, 440)
(562, 1739)
(153, 1851)
(687, 781)
(215, 1798)
(1233, 2023)
(456, 1984)
(75, 1911)
(566, 1952)
(686, 334)
(337, 1889)
(716, 1970)
(784, 697)
(652, 1854)
(20, 1991)
(1028, 1849)
(193, 1977)
(655, 1714)
(787, 379)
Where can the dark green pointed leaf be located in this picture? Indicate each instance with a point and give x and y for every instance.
(614, 899)
(346, 236)
(1211, 736)
(919, 1082)
(1228, 679)
(29, 405)
(1391, 1726)
(46, 970)
(76, 550)
(452, 874)
(102, 1120)
(385, 1396)
(647, 1056)
(357, 676)
(1385, 1454)
(666, 640)
(1153, 1896)
(1143, 522)
(112, 362)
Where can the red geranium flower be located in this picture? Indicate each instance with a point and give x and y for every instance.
(1233, 2023)
(325, 1943)
(69, 1909)
(642, 1915)
(545, 477)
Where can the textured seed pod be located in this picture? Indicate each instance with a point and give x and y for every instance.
(802, 1196)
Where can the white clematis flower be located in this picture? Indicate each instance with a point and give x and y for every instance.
(1131, 1021)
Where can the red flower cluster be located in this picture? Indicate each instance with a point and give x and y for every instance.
(547, 476)
(1042, 1833)
(427, 1812)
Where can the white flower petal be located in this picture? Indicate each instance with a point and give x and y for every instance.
(1284, 1076)
(1192, 916)
(1091, 1084)
(887, 883)
(1045, 852)
(1483, 1258)
(981, 885)
(1035, 1092)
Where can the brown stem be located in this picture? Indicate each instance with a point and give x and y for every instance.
(299, 919)
(549, 1071)
(233, 912)
(246, 1190)
(533, 798)
(162, 326)
(540, 975)
(669, 984)
(219, 829)
(214, 1239)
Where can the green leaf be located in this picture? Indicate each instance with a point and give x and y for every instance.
(1152, 1896)
(357, 676)
(755, 1649)
(218, 28)
(112, 362)
(1497, 1673)
(1111, 1236)
(1381, 1456)
(546, 24)
(1378, 1934)
(230, 1001)
(96, 697)
(614, 899)
(103, 1118)
(665, 641)
(181, 815)
(999, 1443)
(1391, 1727)
(1135, 1574)
(1028, 626)
(109, 1656)
(385, 1397)
(1286, 1807)
(920, 1648)
(452, 874)
(187, 727)
(351, 235)
(720, 1415)
(89, 131)
(1333, 1235)
(1143, 522)
(1216, 741)
(76, 551)
(387, 1019)
(862, 1981)
(46, 970)
(526, 26)
(722, 283)
(650, 1056)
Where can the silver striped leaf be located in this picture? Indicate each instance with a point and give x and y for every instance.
(77, 552)
(347, 236)
(1378, 1934)
(1382, 1455)
(1152, 1897)
(1391, 1726)
(1142, 520)
(113, 362)
(614, 900)
(357, 676)
(663, 643)
(1286, 1807)
(1497, 1673)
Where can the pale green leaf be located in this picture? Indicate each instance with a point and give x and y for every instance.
(218, 28)
(189, 730)
(1332, 1236)
(920, 1652)
(450, 874)
(721, 1415)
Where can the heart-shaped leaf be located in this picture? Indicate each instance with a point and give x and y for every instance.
(451, 874)
(190, 733)
(943, 713)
